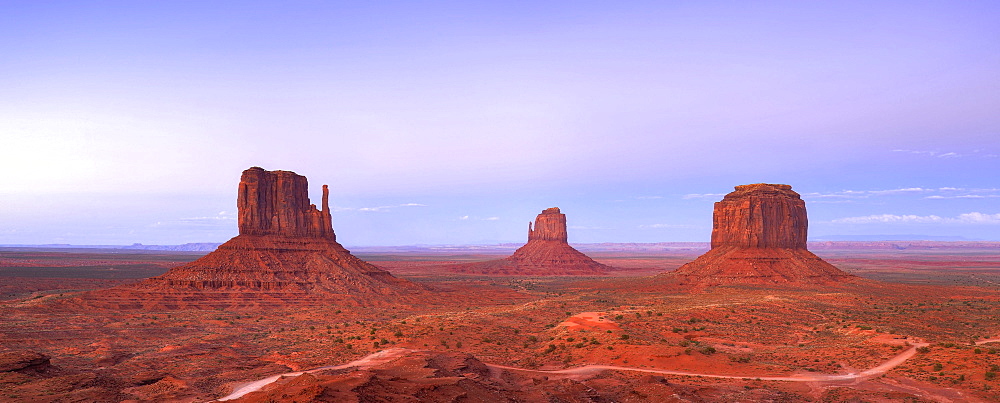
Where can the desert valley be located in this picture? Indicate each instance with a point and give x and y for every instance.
(283, 312)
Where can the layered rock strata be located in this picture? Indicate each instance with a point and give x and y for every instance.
(286, 251)
(547, 253)
(759, 237)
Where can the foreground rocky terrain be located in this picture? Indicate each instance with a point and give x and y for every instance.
(537, 325)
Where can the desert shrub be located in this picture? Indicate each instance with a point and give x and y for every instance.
(990, 375)
(923, 349)
(624, 337)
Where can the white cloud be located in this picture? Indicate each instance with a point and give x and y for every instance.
(962, 197)
(939, 193)
(948, 154)
(222, 216)
(467, 217)
(930, 153)
(888, 218)
(703, 196)
(979, 218)
(968, 218)
(585, 227)
(379, 208)
(660, 226)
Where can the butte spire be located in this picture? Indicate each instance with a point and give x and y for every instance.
(286, 251)
(547, 253)
(759, 237)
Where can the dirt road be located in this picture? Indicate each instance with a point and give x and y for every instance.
(589, 370)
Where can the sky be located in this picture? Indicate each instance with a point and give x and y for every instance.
(457, 122)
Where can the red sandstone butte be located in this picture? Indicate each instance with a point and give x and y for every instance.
(286, 251)
(547, 253)
(759, 237)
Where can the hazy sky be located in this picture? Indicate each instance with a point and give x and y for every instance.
(458, 122)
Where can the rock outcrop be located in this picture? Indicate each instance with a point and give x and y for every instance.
(17, 361)
(759, 237)
(550, 225)
(547, 253)
(286, 251)
(277, 203)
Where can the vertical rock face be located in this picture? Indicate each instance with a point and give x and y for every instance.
(546, 253)
(760, 216)
(550, 225)
(277, 203)
(759, 237)
(286, 252)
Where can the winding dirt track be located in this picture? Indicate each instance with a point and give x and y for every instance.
(587, 370)
(364, 362)
(594, 369)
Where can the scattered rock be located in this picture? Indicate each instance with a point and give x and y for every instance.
(12, 361)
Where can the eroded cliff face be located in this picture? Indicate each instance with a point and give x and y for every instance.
(550, 225)
(760, 216)
(759, 237)
(277, 203)
(547, 253)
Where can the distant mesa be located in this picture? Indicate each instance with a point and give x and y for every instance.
(547, 253)
(286, 251)
(759, 237)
